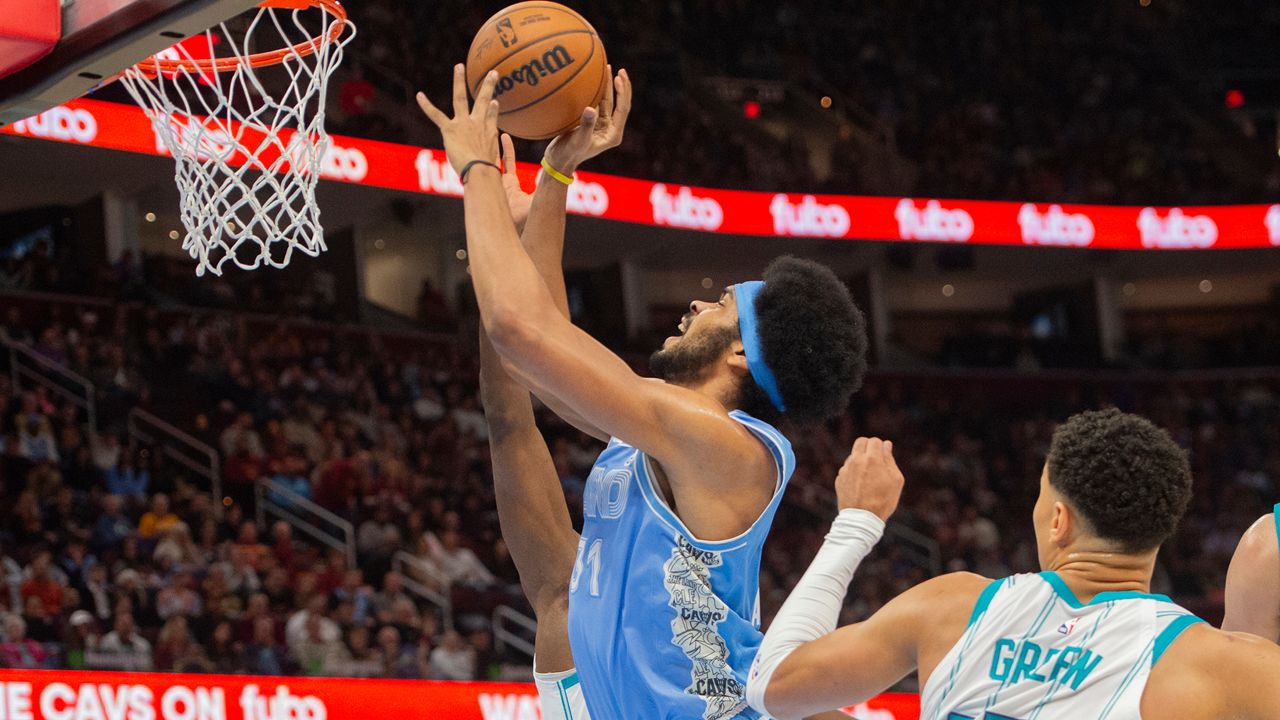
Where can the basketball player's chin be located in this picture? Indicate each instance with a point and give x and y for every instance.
(672, 340)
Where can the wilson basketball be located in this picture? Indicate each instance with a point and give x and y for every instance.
(551, 66)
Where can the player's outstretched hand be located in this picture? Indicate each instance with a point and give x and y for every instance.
(600, 130)
(518, 200)
(472, 132)
(870, 478)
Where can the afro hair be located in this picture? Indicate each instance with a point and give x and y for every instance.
(813, 337)
(1127, 477)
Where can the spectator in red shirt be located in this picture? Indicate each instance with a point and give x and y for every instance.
(41, 582)
(335, 570)
(19, 651)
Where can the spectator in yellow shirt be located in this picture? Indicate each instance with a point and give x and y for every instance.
(158, 519)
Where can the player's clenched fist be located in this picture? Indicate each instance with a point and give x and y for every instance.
(870, 479)
(472, 133)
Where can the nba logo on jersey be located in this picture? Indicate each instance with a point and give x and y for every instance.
(1066, 627)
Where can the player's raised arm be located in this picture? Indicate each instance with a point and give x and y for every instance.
(531, 507)
(542, 221)
(539, 344)
(805, 665)
(1253, 582)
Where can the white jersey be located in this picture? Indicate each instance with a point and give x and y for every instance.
(1033, 651)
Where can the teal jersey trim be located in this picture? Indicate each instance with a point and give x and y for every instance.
(1060, 587)
(984, 600)
(1275, 515)
(570, 681)
(1171, 633)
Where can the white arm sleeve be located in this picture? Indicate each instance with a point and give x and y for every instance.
(813, 608)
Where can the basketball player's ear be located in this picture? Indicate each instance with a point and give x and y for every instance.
(1062, 527)
(738, 356)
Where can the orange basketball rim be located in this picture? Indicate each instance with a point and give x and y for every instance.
(154, 65)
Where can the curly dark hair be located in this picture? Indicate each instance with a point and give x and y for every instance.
(1127, 477)
(813, 337)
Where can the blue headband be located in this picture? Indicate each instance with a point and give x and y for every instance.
(745, 294)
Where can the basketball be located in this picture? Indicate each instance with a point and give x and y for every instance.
(551, 65)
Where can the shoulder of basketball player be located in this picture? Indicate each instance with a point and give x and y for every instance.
(1210, 673)
(1259, 545)
(940, 607)
(701, 437)
(1253, 581)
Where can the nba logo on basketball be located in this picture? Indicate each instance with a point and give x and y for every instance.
(507, 33)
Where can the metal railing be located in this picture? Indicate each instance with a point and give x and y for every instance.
(29, 369)
(305, 516)
(921, 549)
(413, 570)
(179, 447)
(503, 637)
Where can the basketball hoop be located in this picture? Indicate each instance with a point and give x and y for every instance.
(249, 144)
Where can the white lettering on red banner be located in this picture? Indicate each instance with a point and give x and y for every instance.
(1054, 227)
(70, 695)
(509, 707)
(436, 175)
(934, 222)
(282, 705)
(61, 123)
(684, 209)
(411, 169)
(341, 163)
(88, 701)
(865, 712)
(1176, 231)
(584, 198)
(17, 701)
(810, 218)
(588, 198)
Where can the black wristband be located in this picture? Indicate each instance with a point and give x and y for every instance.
(466, 169)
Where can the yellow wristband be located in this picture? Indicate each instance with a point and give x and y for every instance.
(559, 176)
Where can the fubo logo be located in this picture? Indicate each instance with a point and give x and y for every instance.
(61, 123)
(1177, 230)
(810, 218)
(342, 163)
(684, 209)
(436, 175)
(934, 222)
(1054, 227)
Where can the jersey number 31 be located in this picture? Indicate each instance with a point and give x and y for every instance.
(588, 558)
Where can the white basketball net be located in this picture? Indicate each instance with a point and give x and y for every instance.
(249, 142)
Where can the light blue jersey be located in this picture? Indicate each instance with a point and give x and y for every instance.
(663, 625)
(1033, 651)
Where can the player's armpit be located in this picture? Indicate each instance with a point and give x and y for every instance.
(857, 662)
(1253, 583)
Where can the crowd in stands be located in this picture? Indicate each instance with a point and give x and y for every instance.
(1022, 100)
(114, 556)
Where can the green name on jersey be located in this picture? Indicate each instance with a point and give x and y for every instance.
(1015, 661)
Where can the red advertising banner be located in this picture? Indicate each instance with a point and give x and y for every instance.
(401, 167)
(55, 695)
